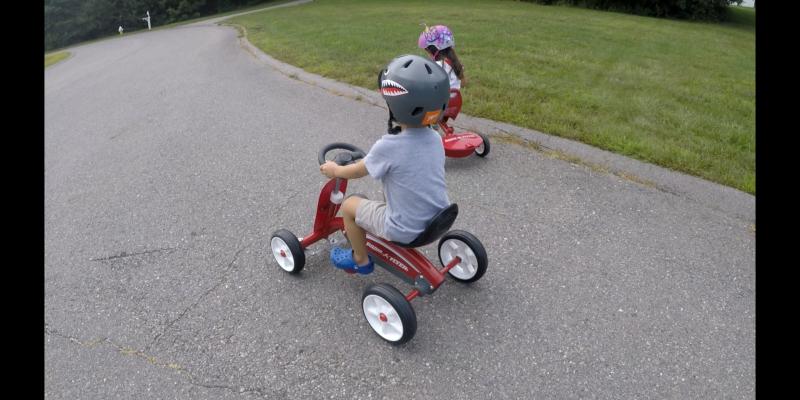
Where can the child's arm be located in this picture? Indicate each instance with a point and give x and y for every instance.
(352, 171)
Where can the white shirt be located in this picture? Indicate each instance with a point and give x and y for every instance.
(455, 83)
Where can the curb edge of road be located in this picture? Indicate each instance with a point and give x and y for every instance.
(728, 200)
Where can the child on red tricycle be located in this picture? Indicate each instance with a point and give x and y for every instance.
(409, 162)
(439, 43)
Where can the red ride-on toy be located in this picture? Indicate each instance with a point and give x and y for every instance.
(465, 143)
(386, 309)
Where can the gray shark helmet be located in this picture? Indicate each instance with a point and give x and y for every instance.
(416, 90)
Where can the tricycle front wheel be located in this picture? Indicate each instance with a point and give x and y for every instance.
(287, 251)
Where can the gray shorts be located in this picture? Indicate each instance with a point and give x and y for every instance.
(371, 216)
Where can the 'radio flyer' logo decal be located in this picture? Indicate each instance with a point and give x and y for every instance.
(392, 88)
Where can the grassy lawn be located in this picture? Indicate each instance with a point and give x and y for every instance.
(675, 93)
(52, 58)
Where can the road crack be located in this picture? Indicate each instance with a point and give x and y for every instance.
(200, 299)
(237, 389)
(126, 254)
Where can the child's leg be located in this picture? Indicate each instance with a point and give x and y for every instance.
(356, 235)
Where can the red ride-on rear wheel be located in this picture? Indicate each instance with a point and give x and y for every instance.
(483, 149)
(389, 313)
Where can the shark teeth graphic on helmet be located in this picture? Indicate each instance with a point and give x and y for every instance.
(392, 88)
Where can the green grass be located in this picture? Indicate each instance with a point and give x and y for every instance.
(675, 93)
(52, 58)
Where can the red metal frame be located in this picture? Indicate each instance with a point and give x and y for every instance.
(408, 263)
(457, 144)
(454, 104)
(326, 221)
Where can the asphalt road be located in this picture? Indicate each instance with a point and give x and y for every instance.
(171, 156)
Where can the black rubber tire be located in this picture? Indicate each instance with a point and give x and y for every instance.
(477, 248)
(486, 146)
(296, 250)
(404, 310)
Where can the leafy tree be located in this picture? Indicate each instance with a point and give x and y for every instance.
(68, 22)
(712, 10)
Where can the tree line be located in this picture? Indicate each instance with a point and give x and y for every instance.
(67, 22)
(706, 10)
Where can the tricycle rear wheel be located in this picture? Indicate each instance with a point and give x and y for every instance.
(469, 249)
(389, 313)
(483, 149)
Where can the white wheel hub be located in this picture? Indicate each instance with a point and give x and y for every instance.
(282, 254)
(467, 267)
(383, 318)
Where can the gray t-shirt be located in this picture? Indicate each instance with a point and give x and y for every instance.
(410, 165)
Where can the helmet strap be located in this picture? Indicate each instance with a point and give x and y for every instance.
(392, 130)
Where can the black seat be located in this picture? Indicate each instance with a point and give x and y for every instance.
(438, 225)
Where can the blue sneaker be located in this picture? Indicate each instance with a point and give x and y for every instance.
(343, 259)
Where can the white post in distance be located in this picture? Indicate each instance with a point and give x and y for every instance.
(147, 19)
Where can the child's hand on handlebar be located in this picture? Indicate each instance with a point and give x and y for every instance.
(329, 169)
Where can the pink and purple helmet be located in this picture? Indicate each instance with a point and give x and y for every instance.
(439, 36)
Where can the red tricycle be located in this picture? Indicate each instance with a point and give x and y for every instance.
(386, 309)
(460, 144)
